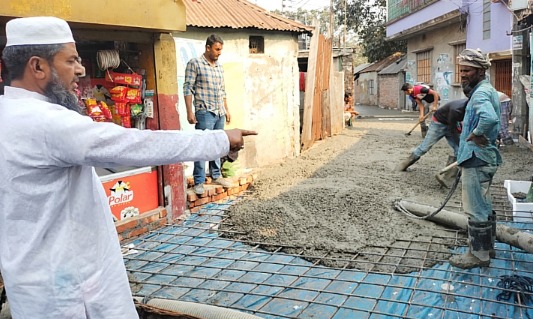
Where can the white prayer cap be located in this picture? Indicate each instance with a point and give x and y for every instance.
(38, 30)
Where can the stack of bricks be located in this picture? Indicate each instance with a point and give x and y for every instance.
(214, 192)
(138, 225)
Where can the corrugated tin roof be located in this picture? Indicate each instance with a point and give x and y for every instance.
(237, 14)
(380, 65)
(396, 67)
(361, 67)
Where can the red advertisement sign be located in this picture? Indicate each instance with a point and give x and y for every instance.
(131, 193)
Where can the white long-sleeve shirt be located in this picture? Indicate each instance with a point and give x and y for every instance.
(59, 251)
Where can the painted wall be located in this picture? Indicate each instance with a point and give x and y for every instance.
(501, 24)
(428, 13)
(443, 67)
(262, 90)
(362, 92)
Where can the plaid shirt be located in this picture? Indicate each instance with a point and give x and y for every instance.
(206, 83)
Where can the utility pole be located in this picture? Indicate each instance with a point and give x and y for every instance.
(345, 26)
(331, 20)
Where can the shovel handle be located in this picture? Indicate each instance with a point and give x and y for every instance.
(420, 121)
(447, 168)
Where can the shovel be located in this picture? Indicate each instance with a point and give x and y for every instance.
(418, 123)
(446, 180)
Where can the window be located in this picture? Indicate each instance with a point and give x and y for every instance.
(457, 49)
(370, 87)
(486, 19)
(256, 44)
(423, 66)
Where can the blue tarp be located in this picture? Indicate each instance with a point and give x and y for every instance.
(189, 263)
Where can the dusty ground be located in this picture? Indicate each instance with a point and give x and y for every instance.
(337, 198)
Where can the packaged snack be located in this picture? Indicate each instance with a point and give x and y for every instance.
(118, 93)
(136, 110)
(133, 95)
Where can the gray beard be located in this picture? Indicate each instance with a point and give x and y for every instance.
(56, 92)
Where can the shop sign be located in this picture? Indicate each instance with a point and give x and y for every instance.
(132, 195)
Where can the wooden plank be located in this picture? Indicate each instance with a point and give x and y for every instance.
(326, 88)
(523, 142)
(337, 102)
(309, 96)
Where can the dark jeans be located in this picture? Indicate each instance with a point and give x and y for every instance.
(208, 121)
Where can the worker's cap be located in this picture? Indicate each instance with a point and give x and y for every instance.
(473, 58)
(38, 31)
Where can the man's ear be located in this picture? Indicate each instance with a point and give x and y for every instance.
(38, 67)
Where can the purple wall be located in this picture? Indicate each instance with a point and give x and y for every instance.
(430, 12)
(501, 23)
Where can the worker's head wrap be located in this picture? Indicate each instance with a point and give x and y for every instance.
(473, 58)
(38, 31)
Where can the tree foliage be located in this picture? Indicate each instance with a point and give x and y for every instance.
(367, 18)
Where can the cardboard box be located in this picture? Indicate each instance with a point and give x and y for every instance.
(522, 212)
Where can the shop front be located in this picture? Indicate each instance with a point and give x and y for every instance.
(129, 59)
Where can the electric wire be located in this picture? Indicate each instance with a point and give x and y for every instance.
(108, 59)
(520, 288)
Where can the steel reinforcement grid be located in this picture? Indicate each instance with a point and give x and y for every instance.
(192, 261)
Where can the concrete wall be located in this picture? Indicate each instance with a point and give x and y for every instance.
(262, 89)
(361, 87)
(443, 59)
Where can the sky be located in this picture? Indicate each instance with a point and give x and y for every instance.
(294, 4)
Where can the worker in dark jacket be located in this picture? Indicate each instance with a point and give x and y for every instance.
(446, 122)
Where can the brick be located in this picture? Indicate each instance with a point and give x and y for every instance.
(191, 196)
(120, 238)
(163, 213)
(219, 197)
(220, 189)
(242, 180)
(190, 181)
(127, 224)
(201, 201)
(139, 231)
(211, 191)
(191, 204)
(150, 218)
(233, 190)
(249, 179)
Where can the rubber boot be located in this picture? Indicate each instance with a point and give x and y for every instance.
(423, 129)
(492, 220)
(407, 162)
(479, 241)
(447, 178)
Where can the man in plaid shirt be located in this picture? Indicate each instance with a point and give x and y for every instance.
(204, 79)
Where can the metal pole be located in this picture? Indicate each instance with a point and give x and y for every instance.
(331, 20)
(345, 26)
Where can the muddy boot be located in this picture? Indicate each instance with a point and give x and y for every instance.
(507, 141)
(407, 162)
(423, 129)
(492, 220)
(479, 241)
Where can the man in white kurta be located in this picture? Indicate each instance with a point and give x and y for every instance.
(59, 251)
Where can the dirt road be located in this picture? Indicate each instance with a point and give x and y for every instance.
(337, 198)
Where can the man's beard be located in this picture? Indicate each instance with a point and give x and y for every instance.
(58, 94)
